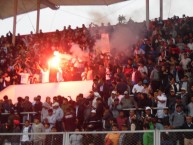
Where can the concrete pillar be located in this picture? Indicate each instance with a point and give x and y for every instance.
(14, 21)
(147, 14)
(38, 17)
(161, 9)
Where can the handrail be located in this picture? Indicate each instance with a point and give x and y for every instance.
(23, 113)
(130, 109)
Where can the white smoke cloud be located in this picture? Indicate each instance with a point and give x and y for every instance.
(122, 39)
(77, 52)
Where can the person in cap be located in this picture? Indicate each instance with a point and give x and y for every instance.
(58, 112)
(148, 112)
(93, 123)
(171, 97)
(184, 96)
(96, 95)
(128, 101)
(112, 98)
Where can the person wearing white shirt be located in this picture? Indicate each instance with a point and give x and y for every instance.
(142, 69)
(190, 44)
(190, 107)
(111, 99)
(185, 61)
(44, 74)
(25, 138)
(138, 51)
(138, 87)
(94, 102)
(24, 77)
(161, 103)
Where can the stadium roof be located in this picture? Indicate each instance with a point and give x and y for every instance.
(24, 6)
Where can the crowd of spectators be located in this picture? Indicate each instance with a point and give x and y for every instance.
(158, 74)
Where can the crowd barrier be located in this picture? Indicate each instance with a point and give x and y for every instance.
(158, 137)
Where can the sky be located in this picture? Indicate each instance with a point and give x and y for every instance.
(50, 20)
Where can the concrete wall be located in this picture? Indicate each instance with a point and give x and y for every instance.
(47, 89)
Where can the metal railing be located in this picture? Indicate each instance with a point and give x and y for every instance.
(159, 137)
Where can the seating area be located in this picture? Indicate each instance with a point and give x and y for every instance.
(154, 71)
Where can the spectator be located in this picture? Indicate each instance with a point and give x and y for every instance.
(121, 119)
(27, 107)
(6, 105)
(15, 139)
(45, 107)
(37, 127)
(138, 87)
(59, 114)
(188, 137)
(177, 120)
(185, 61)
(116, 107)
(53, 139)
(147, 136)
(128, 101)
(111, 99)
(50, 119)
(190, 107)
(161, 103)
(76, 139)
(25, 138)
(112, 138)
(69, 120)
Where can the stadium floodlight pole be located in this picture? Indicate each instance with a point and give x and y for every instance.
(14, 21)
(161, 9)
(38, 17)
(147, 14)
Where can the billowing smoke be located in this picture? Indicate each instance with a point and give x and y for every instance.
(77, 52)
(99, 18)
(122, 39)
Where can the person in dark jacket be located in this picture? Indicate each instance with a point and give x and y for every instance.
(188, 136)
(53, 139)
(15, 139)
